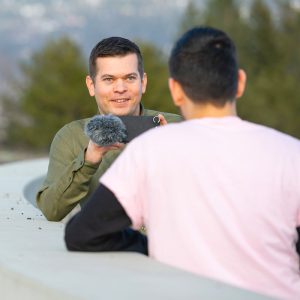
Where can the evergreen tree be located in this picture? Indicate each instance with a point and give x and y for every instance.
(191, 17)
(272, 94)
(51, 94)
(157, 95)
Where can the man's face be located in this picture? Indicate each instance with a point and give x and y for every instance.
(118, 86)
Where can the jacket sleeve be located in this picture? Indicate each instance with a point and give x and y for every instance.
(102, 225)
(172, 118)
(68, 177)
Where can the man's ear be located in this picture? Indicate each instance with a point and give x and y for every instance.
(144, 83)
(176, 91)
(90, 85)
(242, 79)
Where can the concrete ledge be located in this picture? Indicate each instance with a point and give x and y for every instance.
(34, 263)
(31, 188)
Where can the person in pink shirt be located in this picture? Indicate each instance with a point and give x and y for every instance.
(224, 202)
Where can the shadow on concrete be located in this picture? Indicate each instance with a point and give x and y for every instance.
(31, 188)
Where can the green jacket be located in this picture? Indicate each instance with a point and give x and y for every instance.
(70, 179)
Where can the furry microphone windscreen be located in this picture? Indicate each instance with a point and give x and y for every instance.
(105, 130)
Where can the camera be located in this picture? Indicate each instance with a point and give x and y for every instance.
(135, 125)
(105, 130)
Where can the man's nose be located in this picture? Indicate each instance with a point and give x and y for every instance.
(120, 86)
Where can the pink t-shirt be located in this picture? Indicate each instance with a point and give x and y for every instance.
(219, 197)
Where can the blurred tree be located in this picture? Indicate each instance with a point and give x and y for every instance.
(290, 41)
(260, 60)
(157, 95)
(51, 94)
(272, 93)
(264, 44)
(191, 17)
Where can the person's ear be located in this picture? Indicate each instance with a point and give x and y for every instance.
(242, 79)
(176, 91)
(90, 85)
(144, 83)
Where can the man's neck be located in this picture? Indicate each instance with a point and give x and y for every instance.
(196, 111)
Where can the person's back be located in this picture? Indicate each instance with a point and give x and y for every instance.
(230, 210)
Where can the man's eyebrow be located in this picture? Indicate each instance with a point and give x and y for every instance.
(124, 76)
(106, 75)
(135, 74)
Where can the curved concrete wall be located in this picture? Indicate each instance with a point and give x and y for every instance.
(34, 263)
(31, 188)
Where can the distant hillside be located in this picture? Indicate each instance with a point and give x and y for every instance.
(25, 25)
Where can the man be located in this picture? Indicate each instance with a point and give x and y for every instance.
(225, 203)
(117, 80)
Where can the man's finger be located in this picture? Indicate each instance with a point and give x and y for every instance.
(162, 120)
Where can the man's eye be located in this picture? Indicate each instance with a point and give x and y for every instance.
(107, 79)
(131, 78)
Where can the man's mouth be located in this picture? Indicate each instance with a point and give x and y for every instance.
(120, 100)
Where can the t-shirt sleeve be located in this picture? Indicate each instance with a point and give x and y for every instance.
(126, 179)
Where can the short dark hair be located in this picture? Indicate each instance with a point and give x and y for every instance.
(204, 62)
(114, 46)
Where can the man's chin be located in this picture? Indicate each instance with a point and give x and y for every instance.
(123, 112)
(116, 112)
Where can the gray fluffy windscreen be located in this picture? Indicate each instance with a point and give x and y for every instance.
(105, 130)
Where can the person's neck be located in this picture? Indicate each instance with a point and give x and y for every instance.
(208, 110)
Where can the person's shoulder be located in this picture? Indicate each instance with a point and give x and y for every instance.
(170, 117)
(76, 125)
(73, 129)
(278, 137)
(286, 138)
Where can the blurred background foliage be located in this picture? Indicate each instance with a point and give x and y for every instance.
(52, 91)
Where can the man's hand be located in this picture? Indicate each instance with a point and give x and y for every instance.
(162, 120)
(94, 153)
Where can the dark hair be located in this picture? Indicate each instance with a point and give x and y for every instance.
(114, 46)
(204, 62)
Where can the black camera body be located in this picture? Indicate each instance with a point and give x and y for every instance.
(105, 130)
(135, 125)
